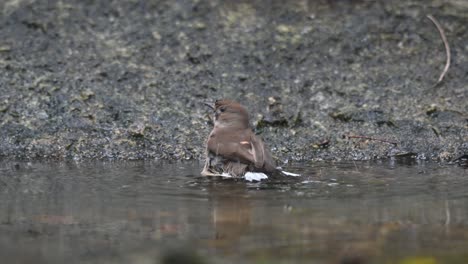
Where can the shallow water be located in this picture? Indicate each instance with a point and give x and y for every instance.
(153, 212)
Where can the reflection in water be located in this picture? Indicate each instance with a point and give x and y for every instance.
(231, 215)
(134, 212)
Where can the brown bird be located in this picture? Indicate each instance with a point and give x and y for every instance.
(232, 147)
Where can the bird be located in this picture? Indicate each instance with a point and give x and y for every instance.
(232, 148)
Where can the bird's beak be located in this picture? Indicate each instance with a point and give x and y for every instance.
(209, 104)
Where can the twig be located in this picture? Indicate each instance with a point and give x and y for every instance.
(447, 47)
(371, 138)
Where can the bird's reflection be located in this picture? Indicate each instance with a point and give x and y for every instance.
(231, 214)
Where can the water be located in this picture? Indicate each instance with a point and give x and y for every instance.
(153, 212)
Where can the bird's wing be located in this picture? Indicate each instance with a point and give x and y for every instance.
(257, 150)
(234, 147)
(262, 155)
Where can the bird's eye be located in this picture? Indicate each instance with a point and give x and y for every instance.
(222, 109)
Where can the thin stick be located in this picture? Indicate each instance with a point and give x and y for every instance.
(371, 138)
(447, 47)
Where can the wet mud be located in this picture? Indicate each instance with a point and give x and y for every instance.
(323, 80)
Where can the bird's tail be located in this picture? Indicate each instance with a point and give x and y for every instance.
(286, 173)
(258, 176)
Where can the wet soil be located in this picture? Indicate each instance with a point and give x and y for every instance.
(126, 79)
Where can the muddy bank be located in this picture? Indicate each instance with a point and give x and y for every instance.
(124, 79)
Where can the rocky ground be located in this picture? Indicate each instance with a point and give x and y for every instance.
(332, 80)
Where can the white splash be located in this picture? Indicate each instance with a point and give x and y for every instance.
(226, 175)
(255, 176)
(290, 174)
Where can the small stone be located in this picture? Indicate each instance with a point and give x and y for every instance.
(156, 35)
(242, 76)
(283, 28)
(86, 94)
(199, 25)
(4, 107)
(42, 115)
(5, 48)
